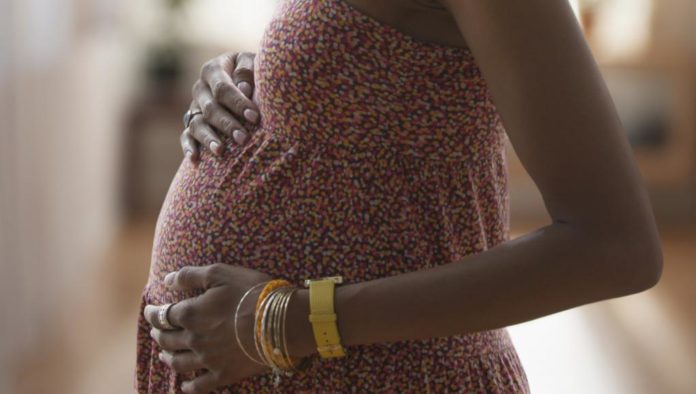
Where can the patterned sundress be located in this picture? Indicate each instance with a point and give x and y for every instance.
(377, 154)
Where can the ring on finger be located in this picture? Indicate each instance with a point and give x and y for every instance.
(163, 317)
(189, 115)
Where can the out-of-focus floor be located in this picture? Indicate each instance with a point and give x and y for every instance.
(644, 343)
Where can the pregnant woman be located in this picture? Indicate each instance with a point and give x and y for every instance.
(375, 154)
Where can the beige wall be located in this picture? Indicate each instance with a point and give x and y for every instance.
(61, 103)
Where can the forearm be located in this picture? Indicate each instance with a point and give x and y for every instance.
(546, 271)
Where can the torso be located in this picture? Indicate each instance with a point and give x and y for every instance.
(426, 20)
(379, 152)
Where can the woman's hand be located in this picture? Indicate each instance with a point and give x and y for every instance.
(224, 95)
(206, 337)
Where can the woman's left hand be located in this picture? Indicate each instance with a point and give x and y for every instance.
(205, 334)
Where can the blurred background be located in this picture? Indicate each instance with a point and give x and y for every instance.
(91, 97)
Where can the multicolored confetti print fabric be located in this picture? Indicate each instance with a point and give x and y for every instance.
(377, 154)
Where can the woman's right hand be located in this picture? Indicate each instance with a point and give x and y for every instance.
(223, 93)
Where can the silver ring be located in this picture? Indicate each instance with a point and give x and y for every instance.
(189, 115)
(163, 317)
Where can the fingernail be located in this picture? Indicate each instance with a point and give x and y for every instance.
(239, 136)
(251, 115)
(188, 154)
(152, 333)
(161, 356)
(245, 87)
(215, 147)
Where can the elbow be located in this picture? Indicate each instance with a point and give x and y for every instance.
(649, 272)
(653, 269)
(637, 265)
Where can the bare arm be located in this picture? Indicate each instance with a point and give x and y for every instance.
(602, 242)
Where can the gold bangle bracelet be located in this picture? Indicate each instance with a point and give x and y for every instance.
(263, 337)
(270, 336)
(258, 333)
(284, 320)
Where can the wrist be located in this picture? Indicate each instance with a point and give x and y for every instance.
(301, 342)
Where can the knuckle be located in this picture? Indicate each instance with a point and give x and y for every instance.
(206, 136)
(246, 57)
(228, 57)
(239, 103)
(216, 271)
(243, 73)
(208, 109)
(221, 89)
(208, 67)
(226, 124)
(182, 275)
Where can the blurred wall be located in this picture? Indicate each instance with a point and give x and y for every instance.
(63, 92)
(71, 73)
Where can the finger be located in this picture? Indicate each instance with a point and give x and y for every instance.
(170, 340)
(243, 74)
(151, 314)
(189, 146)
(193, 277)
(215, 114)
(186, 361)
(228, 94)
(189, 314)
(202, 132)
(218, 116)
(203, 384)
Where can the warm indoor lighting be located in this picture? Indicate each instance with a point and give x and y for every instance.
(229, 22)
(622, 28)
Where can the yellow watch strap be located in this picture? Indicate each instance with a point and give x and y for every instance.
(323, 317)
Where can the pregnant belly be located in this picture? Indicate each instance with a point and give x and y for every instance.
(286, 209)
(228, 209)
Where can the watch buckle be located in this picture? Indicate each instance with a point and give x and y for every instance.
(336, 279)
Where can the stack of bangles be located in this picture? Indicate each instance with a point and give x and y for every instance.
(269, 329)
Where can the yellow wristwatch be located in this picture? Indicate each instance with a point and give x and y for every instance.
(323, 317)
